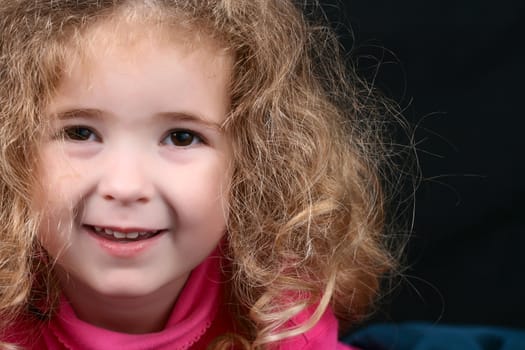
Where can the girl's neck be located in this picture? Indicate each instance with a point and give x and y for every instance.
(123, 314)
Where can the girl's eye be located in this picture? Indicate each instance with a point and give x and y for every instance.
(79, 133)
(181, 138)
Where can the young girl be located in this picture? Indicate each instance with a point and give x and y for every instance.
(183, 174)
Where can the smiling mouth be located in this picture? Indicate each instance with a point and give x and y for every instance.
(117, 236)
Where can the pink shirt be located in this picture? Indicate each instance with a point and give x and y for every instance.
(196, 320)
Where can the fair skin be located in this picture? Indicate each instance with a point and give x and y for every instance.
(136, 148)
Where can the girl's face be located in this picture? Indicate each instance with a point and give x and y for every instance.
(136, 169)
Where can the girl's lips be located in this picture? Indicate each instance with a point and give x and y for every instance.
(124, 247)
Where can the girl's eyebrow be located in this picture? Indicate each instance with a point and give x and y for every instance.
(190, 117)
(79, 112)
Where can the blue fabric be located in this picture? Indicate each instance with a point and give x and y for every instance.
(424, 336)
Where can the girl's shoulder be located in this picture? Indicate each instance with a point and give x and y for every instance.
(323, 335)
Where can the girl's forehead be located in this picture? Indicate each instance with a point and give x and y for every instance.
(129, 40)
(124, 33)
(106, 51)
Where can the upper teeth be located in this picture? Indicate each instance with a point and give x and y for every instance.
(120, 235)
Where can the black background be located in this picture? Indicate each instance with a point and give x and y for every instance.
(457, 67)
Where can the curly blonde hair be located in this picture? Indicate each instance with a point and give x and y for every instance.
(307, 199)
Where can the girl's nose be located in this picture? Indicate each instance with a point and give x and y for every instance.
(125, 180)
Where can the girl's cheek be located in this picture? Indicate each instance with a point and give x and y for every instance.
(54, 227)
(51, 203)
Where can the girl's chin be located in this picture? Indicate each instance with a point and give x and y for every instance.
(124, 284)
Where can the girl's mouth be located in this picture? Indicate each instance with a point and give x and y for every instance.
(118, 236)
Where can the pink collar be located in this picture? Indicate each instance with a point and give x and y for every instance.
(192, 316)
